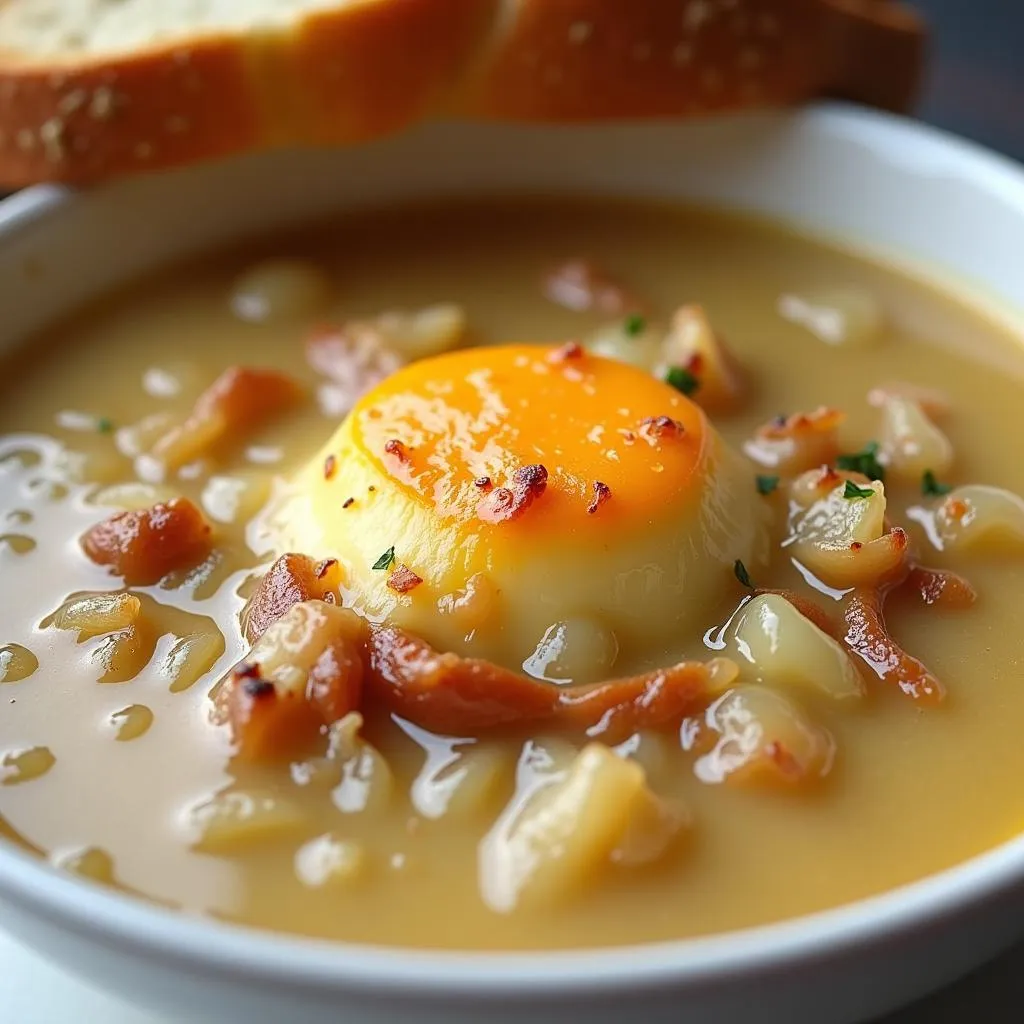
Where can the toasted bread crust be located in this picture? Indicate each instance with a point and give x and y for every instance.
(370, 69)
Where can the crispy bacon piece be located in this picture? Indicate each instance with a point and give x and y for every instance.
(602, 493)
(304, 673)
(461, 696)
(581, 285)
(867, 637)
(264, 725)
(939, 588)
(505, 503)
(403, 579)
(144, 546)
(291, 579)
(239, 400)
(566, 352)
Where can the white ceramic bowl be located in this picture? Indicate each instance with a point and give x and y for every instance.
(886, 186)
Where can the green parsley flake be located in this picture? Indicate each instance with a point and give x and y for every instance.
(865, 461)
(740, 571)
(105, 425)
(386, 560)
(635, 325)
(681, 379)
(931, 487)
(854, 493)
(767, 484)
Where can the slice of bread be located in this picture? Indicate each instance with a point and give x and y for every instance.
(91, 89)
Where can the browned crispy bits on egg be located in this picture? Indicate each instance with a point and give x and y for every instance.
(397, 450)
(505, 503)
(793, 444)
(291, 579)
(348, 502)
(145, 545)
(580, 285)
(602, 493)
(564, 353)
(403, 579)
(659, 428)
(238, 401)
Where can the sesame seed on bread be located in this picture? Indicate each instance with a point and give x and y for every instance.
(93, 89)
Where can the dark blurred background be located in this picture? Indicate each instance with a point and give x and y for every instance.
(976, 85)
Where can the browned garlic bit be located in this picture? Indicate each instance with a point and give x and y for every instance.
(912, 444)
(694, 346)
(793, 444)
(839, 531)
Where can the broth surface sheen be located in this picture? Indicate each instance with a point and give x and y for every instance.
(107, 757)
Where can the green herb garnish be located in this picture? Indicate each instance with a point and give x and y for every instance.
(105, 425)
(865, 461)
(851, 492)
(681, 379)
(740, 572)
(386, 560)
(635, 325)
(767, 484)
(931, 487)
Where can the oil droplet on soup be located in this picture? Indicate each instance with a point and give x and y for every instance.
(20, 766)
(16, 663)
(131, 722)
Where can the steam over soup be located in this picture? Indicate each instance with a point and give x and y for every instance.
(513, 575)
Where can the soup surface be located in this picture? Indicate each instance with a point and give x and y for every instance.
(776, 521)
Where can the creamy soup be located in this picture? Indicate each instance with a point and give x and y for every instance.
(515, 575)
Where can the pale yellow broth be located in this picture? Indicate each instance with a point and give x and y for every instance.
(913, 791)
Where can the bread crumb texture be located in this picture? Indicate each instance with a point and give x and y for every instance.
(76, 28)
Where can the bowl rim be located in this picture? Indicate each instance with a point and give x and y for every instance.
(213, 946)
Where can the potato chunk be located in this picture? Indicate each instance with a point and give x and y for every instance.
(839, 531)
(575, 824)
(758, 736)
(980, 519)
(911, 442)
(780, 647)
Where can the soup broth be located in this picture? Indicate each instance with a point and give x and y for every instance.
(115, 764)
